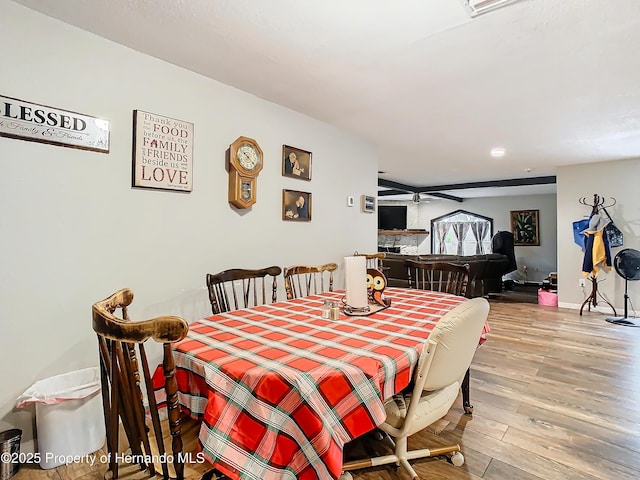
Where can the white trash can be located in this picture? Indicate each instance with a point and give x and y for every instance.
(69, 416)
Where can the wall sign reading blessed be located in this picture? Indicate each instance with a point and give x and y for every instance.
(39, 123)
(162, 152)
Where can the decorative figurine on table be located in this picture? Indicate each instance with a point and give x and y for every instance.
(376, 283)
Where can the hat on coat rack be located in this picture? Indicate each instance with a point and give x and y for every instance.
(596, 223)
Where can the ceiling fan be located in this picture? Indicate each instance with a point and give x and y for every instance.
(627, 264)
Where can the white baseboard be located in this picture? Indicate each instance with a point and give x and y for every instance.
(600, 308)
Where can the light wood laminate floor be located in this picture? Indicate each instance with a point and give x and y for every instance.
(556, 396)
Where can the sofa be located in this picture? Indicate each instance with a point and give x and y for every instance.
(485, 271)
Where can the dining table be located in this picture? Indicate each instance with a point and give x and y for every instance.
(280, 390)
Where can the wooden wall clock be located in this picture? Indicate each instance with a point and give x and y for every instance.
(245, 163)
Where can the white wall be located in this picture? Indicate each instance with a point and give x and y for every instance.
(618, 179)
(540, 261)
(74, 231)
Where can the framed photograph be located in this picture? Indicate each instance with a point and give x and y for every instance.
(368, 203)
(296, 206)
(296, 163)
(525, 227)
(162, 152)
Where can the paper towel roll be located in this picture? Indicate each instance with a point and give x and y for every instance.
(355, 281)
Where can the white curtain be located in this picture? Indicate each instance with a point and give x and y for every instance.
(461, 229)
(479, 230)
(442, 228)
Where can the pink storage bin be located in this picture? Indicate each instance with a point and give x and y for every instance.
(548, 298)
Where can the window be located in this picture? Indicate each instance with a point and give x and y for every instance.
(461, 233)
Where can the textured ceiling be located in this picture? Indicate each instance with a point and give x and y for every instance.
(554, 82)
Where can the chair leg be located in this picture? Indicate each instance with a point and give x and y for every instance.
(466, 401)
(405, 464)
(401, 458)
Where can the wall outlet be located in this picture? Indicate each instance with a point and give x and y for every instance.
(582, 282)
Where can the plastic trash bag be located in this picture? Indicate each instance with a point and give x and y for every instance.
(69, 415)
(68, 386)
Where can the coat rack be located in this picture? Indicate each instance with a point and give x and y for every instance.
(597, 204)
(592, 299)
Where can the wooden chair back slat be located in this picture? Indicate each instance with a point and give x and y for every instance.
(438, 276)
(305, 280)
(242, 288)
(153, 407)
(374, 260)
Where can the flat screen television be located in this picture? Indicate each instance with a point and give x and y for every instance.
(392, 217)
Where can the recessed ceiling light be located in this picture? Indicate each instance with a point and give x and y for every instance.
(497, 152)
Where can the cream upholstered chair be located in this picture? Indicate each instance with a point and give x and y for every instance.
(445, 358)
(443, 277)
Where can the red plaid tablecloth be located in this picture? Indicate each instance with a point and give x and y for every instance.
(280, 390)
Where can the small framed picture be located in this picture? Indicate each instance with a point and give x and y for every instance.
(296, 163)
(368, 203)
(525, 227)
(296, 206)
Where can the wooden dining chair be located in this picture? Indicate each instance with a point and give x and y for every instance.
(374, 260)
(242, 288)
(304, 280)
(447, 278)
(446, 355)
(438, 276)
(126, 374)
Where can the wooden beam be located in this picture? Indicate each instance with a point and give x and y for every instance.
(386, 193)
(393, 192)
(396, 185)
(512, 182)
(445, 196)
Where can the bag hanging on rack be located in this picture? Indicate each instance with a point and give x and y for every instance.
(613, 233)
(579, 237)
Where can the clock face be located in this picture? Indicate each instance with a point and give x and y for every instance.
(248, 156)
